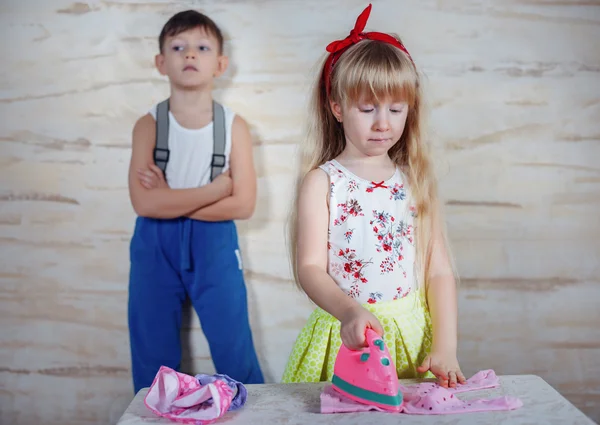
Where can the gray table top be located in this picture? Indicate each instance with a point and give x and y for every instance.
(279, 404)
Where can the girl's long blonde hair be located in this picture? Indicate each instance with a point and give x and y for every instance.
(372, 71)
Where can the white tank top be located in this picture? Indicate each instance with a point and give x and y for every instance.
(371, 243)
(191, 152)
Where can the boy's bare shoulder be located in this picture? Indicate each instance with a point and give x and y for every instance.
(239, 125)
(144, 128)
(145, 121)
(240, 131)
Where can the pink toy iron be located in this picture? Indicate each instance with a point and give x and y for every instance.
(368, 376)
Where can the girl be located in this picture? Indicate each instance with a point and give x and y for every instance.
(368, 244)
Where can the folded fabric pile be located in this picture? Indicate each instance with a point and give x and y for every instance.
(429, 398)
(198, 400)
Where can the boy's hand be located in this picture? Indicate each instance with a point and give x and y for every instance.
(224, 184)
(445, 367)
(152, 178)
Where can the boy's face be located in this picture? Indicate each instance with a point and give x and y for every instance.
(191, 58)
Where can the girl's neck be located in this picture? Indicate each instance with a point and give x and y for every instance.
(372, 168)
(368, 161)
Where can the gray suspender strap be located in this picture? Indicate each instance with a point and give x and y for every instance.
(218, 158)
(161, 151)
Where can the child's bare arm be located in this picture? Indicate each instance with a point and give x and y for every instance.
(441, 295)
(164, 202)
(441, 298)
(313, 223)
(241, 203)
(312, 231)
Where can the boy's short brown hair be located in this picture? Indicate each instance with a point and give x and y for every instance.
(187, 20)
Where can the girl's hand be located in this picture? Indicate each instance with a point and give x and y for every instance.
(353, 326)
(152, 178)
(445, 367)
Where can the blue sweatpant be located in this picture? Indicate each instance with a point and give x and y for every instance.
(174, 259)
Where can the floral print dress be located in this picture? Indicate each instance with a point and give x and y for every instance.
(371, 244)
(371, 256)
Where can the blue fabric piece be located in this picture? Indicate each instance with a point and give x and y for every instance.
(241, 394)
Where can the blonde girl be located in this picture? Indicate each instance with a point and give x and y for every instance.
(367, 237)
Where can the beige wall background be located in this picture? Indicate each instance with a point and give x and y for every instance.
(514, 89)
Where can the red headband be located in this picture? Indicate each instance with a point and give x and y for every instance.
(336, 48)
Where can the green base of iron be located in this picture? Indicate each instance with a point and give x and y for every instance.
(388, 400)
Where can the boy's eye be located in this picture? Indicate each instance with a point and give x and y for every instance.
(204, 48)
(177, 48)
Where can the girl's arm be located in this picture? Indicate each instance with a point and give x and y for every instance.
(164, 202)
(241, 203)
(312, 231)
(441, 298)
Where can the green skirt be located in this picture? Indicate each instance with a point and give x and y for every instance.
(407, 335)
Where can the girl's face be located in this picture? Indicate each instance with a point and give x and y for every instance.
(372, 128)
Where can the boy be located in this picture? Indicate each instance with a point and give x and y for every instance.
(185, 241)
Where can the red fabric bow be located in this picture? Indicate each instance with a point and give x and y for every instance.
(336, 48)
(380, 184)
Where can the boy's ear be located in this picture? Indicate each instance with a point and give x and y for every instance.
(159, 61)
(222, 64)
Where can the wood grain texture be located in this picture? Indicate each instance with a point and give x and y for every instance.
(513, 92)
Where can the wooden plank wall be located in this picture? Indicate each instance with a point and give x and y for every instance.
(514, 90)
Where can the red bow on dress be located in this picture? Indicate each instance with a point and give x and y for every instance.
(336, 48)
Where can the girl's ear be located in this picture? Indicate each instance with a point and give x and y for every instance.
(336, 109)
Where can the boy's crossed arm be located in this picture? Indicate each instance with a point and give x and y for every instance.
(242, 201)
(236, 195)
(161, 201)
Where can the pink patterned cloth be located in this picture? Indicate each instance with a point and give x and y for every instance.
(429, 398)
(181, 398)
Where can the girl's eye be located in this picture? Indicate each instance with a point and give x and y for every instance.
(367, 110)
(396, 110)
